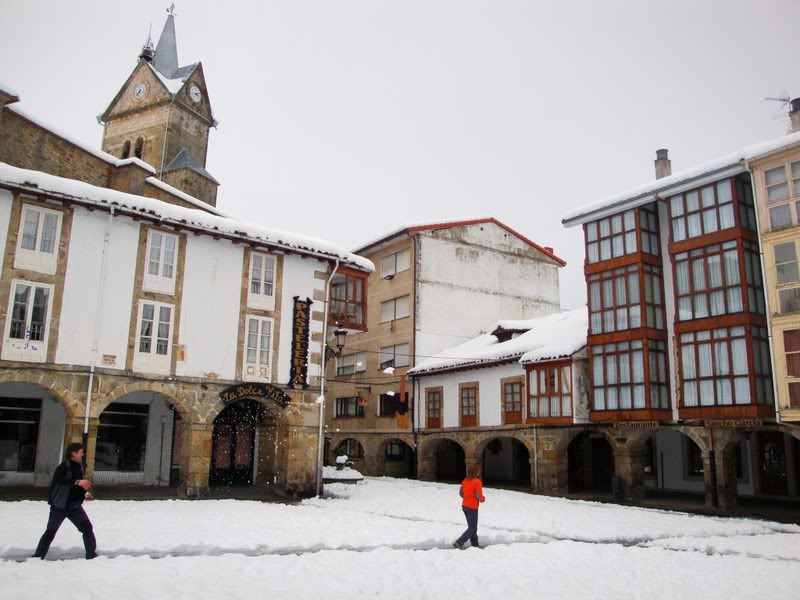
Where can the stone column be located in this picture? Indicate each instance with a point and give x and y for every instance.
(553, 467)
(426, 462)
(193, 449)
(297, 461)
(628, 467)
(707, 478)
(726, 477)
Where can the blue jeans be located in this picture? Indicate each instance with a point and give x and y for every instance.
(471, 533)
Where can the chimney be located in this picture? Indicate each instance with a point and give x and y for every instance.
(549, 249)
(663, 164)
(794, 115)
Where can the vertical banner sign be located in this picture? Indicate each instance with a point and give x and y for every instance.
(301, 332)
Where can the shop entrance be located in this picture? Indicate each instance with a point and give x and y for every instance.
(234, 444)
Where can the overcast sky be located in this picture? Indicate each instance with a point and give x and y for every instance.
(345, 119)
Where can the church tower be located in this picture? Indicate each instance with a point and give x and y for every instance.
(162, 115)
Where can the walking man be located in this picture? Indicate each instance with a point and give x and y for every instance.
(68, 490)
(472, 493)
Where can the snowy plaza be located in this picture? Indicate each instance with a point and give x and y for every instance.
(391, 538)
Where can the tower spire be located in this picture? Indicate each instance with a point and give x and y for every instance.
(166, 56)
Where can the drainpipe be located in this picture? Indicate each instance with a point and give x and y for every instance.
(96, 334)
(412, 408)
(322, 379)
(776, 400)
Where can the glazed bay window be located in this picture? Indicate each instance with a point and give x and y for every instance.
(617, 304)
(396, 308)
(28, 325)
(261, 293)
(611, 237)
(258, 349)
(348, 300)
(349, 407)
(783, 193)
(394, 356)
(153, 341)
(433, 408)
(161, 262)
(468, 405)
(648, 221)
(702, 211)
(37, 242)
(621, 376)
(395, 263)
(550, 392)
(715, 367)
(349, 364)
(788, 276)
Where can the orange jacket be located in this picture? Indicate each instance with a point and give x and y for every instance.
(472, 493)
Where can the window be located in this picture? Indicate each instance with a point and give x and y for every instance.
(747, 210)
(468, 405)
(139, 148)
(791, 347)
(153, 345)
(122, 437)
(694, 459)
(388, 404)
(258, 348)
(702, 211)
(37, 243)
(648, 217)
(396, 263)
(550, 392)
(351, 363)
(126, 149)
(433, 401)
(397, 308)
(783, 191)
(708, 282)
(394, 356)
(27, 329)
(350, 448)
(349, 407)
(395, 451)
(611, 237)
(19, 433)
(348, 300)
(512, 402)
(620, 372)
(716, 371)
(794, 395)
(161, 262)
(616, 303)
(786, 269)
(262, 282)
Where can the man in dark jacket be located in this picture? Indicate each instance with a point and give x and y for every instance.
(68, 490)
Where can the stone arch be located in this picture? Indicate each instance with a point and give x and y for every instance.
(50, 382)
(636, 440)
(344, 438)
(482, 440)
(380, 452)
(427, 462)
(101, 401)
(507, 466)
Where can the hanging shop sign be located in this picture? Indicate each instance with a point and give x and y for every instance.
(301, 331)
(740, 423)
(254, 390)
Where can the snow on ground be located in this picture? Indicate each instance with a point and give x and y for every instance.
(344, 473)
(392, 538)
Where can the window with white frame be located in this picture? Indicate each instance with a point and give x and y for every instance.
(161, 262)
(396, 263)
(28, 325)
(154, 337)
(37, 242)
(394, 356)
(258, 348)
(788, 276)
(396, 308)
(261, 293)
(783, 195)
(351, 363)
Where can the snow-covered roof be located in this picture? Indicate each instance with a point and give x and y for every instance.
(178, 78)
(553, 337)
(453, 222)
(8, 89)
(185, 197)
(78, 191)
(723, 166)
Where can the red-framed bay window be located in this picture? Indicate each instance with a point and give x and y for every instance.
(626, 298)
(626, 233)
(725, 372)
(550, 393)
(629, 380)
(348, 306)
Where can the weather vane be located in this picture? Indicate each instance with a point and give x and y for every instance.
(171, 9)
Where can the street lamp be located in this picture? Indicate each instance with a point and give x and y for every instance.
(339, 336)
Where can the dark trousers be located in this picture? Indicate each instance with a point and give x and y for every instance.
(471, 532)
(78, 517)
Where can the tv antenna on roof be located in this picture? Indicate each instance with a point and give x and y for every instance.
(785, 99)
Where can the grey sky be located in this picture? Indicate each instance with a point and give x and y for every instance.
(343, 119)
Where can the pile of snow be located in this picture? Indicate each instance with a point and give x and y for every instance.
(545, 338)
(346, 473)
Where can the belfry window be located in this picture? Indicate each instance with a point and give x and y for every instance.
(126, 149)
(139, 148)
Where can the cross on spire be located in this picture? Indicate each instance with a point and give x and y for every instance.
(171, 9)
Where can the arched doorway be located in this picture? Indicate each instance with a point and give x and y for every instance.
(450, 461)
(136, 441)
(398, 459)
(506, 461)
(32, 429)
(354, 451)
(591, 463)
(234, 444)
(673, 465)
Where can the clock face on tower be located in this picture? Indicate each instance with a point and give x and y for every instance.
(194, 94)
(139, 91)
